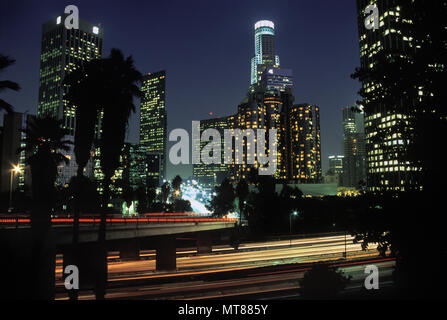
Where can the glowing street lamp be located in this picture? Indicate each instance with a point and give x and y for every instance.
(15, 170)
(294, 214)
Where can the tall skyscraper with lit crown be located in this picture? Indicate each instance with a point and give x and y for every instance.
(265, 49)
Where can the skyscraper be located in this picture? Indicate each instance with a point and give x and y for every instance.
(62, 52)
(354, 164)
(213, 173)
(265, 49)
(335, 171)
(153, 117)
(387, 167)
(336, 164)
(302, 144)
(137, 166)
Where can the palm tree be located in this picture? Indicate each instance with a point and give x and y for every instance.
(4, 63)
(119, 84)
(120, 87)
(84, 94)
(45, 138)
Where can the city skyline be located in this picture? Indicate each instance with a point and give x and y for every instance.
(313, 177)
(321, 73)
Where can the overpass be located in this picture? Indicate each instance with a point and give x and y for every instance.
(126, 235)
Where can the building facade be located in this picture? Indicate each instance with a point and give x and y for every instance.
(387, 168)
(133, 170)
(62, 52)
(302, 143)
(213, 174)
(153, 117)
(335, 172)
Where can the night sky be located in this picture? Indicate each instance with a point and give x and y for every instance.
(206, 48)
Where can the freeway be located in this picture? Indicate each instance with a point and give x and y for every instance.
(224, 272)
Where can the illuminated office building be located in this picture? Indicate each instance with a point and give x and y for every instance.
(137, 166)
(153, 117)
(64, 51)
(213, 174)
(302, 143)
(354, 165)
(334, 174)
(387, 167)
(154, 178)
(336, 164)
(116, 181)
(265, 50)
(132, 171)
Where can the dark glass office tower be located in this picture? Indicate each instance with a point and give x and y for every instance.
(388, 119)
(64, 51)
(153, 117)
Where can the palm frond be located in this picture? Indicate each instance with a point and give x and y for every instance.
(6, 106)
(5, 62)
(6, 84)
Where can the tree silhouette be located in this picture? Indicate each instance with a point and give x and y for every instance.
(223, 202)
(45, 138)
(176, 184)
(6, 84)
(84, 94)
(182, 206)
(322, 282)
(119, 86)
(414, 85)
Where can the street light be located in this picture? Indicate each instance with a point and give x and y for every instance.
(15, 170)
(295, 214)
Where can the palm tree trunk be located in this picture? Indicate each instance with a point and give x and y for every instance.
(76, 249)
(102, 274)
(43, 255)
(42, 262)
